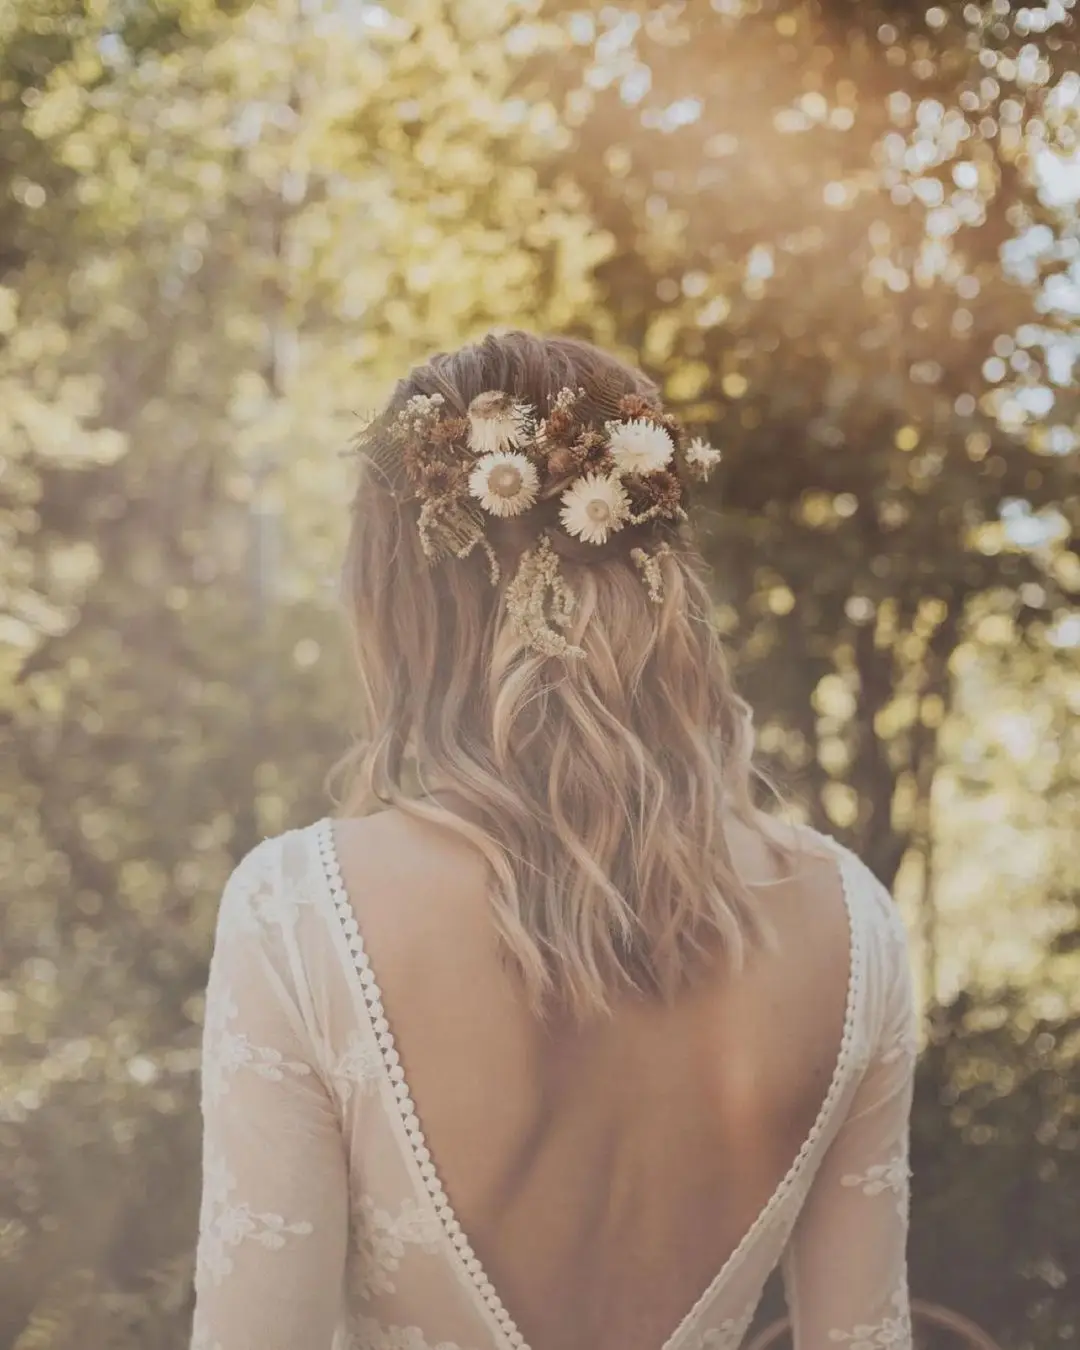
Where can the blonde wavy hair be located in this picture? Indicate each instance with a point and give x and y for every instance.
(596, 789)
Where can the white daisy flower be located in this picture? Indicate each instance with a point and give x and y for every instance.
(498, 422)
(702, 456)
(594, 507)
(638, 446)
(504, 484)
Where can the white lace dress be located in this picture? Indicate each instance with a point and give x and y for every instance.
(324, 1225)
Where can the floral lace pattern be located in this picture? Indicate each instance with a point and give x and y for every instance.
(887, 1176)
(358, 1066)
(226, 1051)
(225, 1223)
(891, 1333)
(728, 1335)
(381, 1240)
(256, 901)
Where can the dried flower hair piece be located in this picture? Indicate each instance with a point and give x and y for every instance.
(567, 396)
(421, 410)
(448, 530)
(498, 422)
(640, 446)
(650, 566)
(505, 484)
(702, 457)
(602, 473)
(594, 507)
(538, 597)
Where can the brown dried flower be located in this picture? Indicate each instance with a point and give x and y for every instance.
(591, 449)
(449, 431)
(562, 462)
(441, 479)
(632, 406)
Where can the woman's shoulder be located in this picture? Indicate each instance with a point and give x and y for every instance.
(880, 971)
(299, 854)
(411, 883)
(277, 877)
(870, 903)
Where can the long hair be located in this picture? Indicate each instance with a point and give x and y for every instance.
(597, 788)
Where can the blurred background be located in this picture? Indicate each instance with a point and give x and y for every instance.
(843, 234)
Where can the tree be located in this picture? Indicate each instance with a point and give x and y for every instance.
(227, 227)
(808, 205)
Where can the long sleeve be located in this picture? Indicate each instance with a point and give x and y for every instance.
(273, 1219)
(845, 1266)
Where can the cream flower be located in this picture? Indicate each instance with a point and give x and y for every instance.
(594, 507)
(565, 399)
(702, 456)
(420, 410)
(504, 484)
(498, 422)
(638, 446)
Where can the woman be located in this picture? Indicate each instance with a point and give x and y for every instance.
(566, 1045)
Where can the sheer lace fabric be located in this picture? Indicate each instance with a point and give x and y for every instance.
(323, 1221)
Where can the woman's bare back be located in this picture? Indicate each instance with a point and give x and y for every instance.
(603, 1176)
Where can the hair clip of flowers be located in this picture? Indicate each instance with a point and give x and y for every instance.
(501, 460)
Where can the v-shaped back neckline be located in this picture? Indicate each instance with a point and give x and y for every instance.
(418, 1152)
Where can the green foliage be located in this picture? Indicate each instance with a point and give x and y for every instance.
(224, 228)
(812, 266)
(996, 1161)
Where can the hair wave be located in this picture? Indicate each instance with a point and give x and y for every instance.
(596, 789)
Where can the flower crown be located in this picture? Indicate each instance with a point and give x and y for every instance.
(501, 461)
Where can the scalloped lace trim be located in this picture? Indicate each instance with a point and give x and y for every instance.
(422, 1154)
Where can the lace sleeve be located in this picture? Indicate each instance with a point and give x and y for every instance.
(273, 1222)
(845, 1267)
